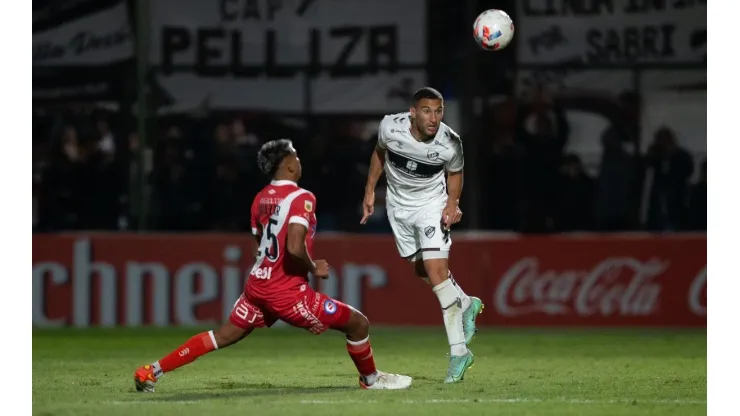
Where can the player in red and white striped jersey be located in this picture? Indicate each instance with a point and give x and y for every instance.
(283, 220)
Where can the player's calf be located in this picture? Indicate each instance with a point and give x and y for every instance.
(449, 300)
(357, 330)
(471, 306)
(146, 377)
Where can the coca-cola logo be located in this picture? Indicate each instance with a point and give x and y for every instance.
(698, 294)
(622, 286)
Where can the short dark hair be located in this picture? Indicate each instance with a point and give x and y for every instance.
(272, 153)
(427, 93)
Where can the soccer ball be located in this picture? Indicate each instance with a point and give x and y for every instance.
(493, 30)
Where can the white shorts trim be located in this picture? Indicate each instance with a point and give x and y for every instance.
(435, 254)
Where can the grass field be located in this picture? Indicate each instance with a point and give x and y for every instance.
(290, 372)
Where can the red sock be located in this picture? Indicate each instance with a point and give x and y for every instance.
(361, 353)
(186, 353)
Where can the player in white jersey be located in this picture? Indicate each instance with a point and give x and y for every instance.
(423, 162)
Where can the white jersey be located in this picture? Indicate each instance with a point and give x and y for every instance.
(415, 171)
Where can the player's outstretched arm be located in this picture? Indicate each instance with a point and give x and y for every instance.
(298, 250)
(377, 160)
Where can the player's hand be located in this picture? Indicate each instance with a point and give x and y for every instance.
(451, 215)
(322, 269)
(368, 206)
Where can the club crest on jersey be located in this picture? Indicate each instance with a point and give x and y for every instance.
(308, 206)
(429, 231)
(330, 307)
(432, 155)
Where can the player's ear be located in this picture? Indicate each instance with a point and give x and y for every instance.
(412, 110)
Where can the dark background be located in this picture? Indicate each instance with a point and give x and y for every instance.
(528, 167)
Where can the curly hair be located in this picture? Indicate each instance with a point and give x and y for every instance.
(272, 153)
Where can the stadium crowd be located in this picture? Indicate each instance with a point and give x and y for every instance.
(201, 173)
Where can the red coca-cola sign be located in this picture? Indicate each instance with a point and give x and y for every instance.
(622, 286)
(131, 280)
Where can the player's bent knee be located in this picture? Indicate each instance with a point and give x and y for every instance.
(229, 334)
(436, 269)
(358, 326)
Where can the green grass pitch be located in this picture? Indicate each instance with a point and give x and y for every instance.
(291, 372)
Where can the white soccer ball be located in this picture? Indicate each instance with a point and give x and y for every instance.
(493, 30)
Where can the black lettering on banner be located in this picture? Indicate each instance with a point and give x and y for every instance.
(81, 43)
(86, 41)
(631, 43)
(567, 7)
(174, 41)
(227, 11)
(251, 10)
(548, 40)
(649, 6)
(383, 43)
(234, 10)
(553, 77)
(304, 6)
(635, 6)
(219, 52)
(238, 70)
(352, 36)
(207, 49)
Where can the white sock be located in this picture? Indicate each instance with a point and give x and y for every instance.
(157, 370)
(370, 379)
(452, 311)
(465, 299)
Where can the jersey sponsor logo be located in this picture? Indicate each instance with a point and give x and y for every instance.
(330, 307)
(412, 167)
(264, 273)
(395, 142)
(432, 155)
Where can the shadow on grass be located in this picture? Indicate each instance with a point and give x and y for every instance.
(233, 390)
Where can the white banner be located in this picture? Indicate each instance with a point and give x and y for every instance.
(282, 55)
(100, 38)
(611, 31)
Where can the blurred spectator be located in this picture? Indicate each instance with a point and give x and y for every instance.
(698, 202)
(229, 204)
(617, 187)
(502, 178)
(106, 140)
(317, 172)
(245, 148)
(57, 201)
(543, 132)
(671, 167)
(575, 190)
(201, 173)
(177, 200)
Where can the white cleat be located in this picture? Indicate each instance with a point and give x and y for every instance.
(387, 381)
